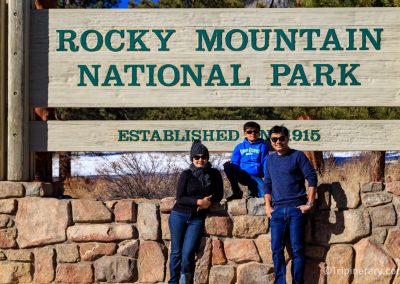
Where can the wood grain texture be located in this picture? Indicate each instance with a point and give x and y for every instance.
(54, 75)
(339, 135)
(3, 88)
(18, 155)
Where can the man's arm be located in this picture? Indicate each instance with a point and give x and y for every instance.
(268, 206)
(310, 200)
(268, 191)
(312, 190)
(311, 176)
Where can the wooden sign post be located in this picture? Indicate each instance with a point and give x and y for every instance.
(18, 140)
(3, 88)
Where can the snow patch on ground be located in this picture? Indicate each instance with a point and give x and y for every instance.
(87, 164)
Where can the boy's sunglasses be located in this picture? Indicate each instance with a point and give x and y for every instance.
(252, 131)
(281, 138)
(198, 157)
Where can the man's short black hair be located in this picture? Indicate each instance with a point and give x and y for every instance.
(251, 124)
(279, 129)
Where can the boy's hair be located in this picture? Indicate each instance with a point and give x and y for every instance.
(251, 124)
(279, 129)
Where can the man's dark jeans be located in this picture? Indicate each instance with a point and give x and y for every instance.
(185, 238)
(236, 175)
(284, 221)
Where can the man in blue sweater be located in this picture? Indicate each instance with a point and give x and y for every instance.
(286, 202)
(247, 165)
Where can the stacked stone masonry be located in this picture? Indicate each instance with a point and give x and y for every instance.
(353, 236)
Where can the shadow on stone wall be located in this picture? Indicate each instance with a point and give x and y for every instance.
(324, 225)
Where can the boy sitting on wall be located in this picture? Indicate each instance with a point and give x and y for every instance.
(247, 165)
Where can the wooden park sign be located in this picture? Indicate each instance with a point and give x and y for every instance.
(206, 58)
(156, 135)
(215, 57)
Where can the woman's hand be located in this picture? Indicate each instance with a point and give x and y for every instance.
(204, 203)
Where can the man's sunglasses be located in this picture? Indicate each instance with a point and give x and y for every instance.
(252, 131)
(281, 138)
(198, 157)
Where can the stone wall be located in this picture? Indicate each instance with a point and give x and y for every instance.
(352, 237)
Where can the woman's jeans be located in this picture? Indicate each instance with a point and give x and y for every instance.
(288, 221)
(186, 233)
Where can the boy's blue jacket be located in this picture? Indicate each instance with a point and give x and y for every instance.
(251, 157)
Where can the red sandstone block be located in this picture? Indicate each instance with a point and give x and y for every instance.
(125, 211)
(74, 273)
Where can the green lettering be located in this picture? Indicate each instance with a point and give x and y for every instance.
(236, 82)
(155, 136)
(134, 136)
(376, 42)
(177, 138)
(344, 74)
(144, 132)
(298, 74)
(253, 36)
(203, 36)
(290, 43)
(99, 40)
(123, 135)
(113, 74)
(94, 78)
(244, 40)
(264, 134)
(62, 39)
(276, 74)
(168, 135)
(163, 40)
(221, 135)
(186, 69)
(107, 40)
(208, 137)
(309, 33)
(196, 134)
(351, 33)
(137, 39)
(151, 82)
(319, 73)
(216, 74)
(233, 135)
(134, 75)
(175, 77)
(331, 38)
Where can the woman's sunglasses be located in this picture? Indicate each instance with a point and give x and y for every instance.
(198, 157)
(281, 138)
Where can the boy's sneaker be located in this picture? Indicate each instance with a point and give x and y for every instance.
(237, 195)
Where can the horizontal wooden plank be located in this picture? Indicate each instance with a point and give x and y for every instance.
(323, 135)
(225, 17)
(56, 79)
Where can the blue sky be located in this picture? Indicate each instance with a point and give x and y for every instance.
(123, 4)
